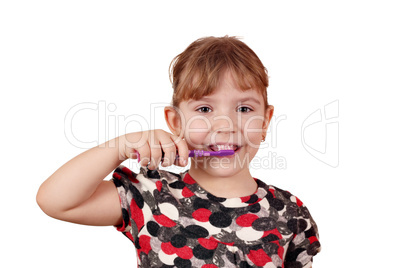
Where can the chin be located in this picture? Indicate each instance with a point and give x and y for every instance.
(224, 170)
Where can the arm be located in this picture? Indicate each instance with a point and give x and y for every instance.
(77, 193)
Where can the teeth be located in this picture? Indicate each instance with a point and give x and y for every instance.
(225, 147)
(220, 147)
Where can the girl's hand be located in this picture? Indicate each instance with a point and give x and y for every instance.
(149, 145)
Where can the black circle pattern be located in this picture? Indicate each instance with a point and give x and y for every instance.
(173, 222)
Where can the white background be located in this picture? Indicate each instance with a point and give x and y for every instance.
(58, 54)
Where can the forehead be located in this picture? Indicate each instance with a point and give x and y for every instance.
(228, 88)
(229, 95)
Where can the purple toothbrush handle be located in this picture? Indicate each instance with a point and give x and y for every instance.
(199, 153)
(192, 153)
(196, 153)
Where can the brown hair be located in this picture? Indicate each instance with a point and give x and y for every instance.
(196, 71)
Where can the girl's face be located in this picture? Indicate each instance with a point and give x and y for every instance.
(227, 119)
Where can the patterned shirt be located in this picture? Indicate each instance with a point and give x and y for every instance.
(173, 222)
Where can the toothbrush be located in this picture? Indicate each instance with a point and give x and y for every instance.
(200, 153)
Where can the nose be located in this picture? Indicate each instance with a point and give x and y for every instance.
(224, 123)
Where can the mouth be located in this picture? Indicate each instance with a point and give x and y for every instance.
(219, 147)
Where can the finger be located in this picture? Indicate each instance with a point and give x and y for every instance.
(130, 152)
(156, 155)
(135, 146)
(133, 154)
(169, 152)
(144, 154)
(182, 150)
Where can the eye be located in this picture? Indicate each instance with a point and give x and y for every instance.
(204, 109)
(244, 109)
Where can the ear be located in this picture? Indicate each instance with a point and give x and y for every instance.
(269, 112)
(173, 120)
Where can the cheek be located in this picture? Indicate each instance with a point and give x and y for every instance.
(253, 133)
(196, 130)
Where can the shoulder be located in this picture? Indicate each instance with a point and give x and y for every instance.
(298, 221)
(279, 196)
(287, 204)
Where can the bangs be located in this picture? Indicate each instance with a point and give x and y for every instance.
(197, 71)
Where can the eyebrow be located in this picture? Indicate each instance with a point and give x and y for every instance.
(206, 98)
(250, 99)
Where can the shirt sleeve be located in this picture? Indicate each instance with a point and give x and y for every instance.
(131, 201)
(305, 243)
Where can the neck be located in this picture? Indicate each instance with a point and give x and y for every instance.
(238, 184)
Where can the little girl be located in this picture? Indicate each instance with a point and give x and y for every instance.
(213, 215)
